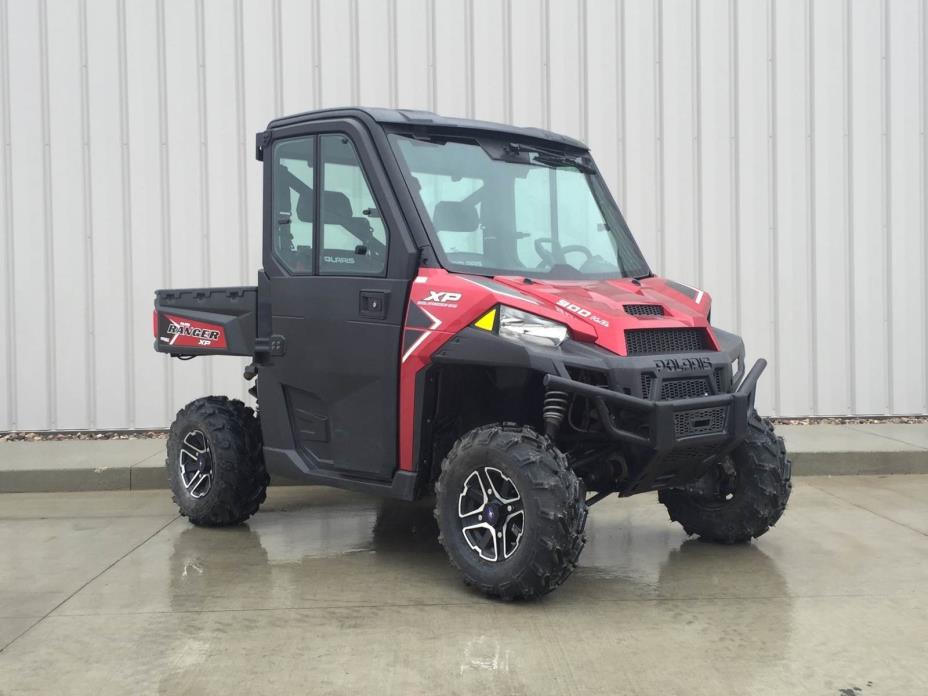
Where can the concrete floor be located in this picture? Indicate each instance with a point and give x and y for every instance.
(326, 592)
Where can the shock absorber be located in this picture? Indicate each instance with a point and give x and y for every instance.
(554, 410)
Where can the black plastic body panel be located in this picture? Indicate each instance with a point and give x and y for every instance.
(232, 310)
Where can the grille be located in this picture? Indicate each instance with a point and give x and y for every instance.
(689, 456)
(671, 389)
(594, 377)
(654, 310)
(700, 421)
(657, 341)
(684, 388)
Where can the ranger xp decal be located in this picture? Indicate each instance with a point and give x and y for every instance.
(180, 331)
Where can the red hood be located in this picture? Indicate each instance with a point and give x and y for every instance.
(600, 305)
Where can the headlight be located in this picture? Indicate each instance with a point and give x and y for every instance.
(522, 326)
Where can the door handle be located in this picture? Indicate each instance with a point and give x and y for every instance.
(373, 304)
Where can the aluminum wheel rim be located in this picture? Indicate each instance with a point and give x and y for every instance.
(492, 514)
(195, 463)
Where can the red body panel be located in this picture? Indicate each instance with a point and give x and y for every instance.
(441, 304)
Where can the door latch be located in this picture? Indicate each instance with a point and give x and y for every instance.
(373, 304)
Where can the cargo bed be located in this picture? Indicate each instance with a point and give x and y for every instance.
(206, 321)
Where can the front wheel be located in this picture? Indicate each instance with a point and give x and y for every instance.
(510, 512)
(742, 497)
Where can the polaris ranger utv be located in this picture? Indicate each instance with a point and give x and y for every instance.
(458, 308)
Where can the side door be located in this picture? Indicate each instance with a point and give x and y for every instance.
(337, 283)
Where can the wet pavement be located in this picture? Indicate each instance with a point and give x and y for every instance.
(327, 592)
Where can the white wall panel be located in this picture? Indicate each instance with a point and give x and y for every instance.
(32, 307)
(65, 177)
(770, 152)
(830, 325)
(867, 232)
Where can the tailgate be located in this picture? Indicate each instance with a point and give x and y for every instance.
(206, 321)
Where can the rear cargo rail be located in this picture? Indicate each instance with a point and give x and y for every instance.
(206, 321)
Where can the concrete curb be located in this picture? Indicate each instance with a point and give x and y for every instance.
(858, 463)
(83, 480)
(121, 465)
(154, 477)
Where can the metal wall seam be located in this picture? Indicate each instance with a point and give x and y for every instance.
(696, 77)
(6, 162)
(507, 60)
(659, 140)
(849, 204)
(165, 180)
(203, 137)
(734, 96)
(886, 96)
(128, 294)
(316, 14)
(277, 48)
(241, 157)
(773, 193)
(392, 53)
(621, 127)
(87, 219)
(48, 235)
(546, 61)
(432, 86)
(356, 50)
(923, 68)
(469, 58)
(810, 164)
(583, 69)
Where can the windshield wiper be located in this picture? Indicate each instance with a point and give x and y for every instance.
(519, 153)
(553, 160)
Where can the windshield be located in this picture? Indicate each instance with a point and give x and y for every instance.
(511, 209)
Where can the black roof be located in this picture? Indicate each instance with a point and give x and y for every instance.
(410, 117)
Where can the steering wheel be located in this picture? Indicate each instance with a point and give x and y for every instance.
(557, 253)
(577, 248)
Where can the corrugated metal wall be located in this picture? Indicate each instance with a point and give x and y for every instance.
(772, 152)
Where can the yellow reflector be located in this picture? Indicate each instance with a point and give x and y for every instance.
(487, 321)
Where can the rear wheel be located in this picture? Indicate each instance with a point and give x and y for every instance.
(215, 462)
(742, 497)
(510, 512)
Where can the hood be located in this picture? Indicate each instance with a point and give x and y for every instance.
(610, 307)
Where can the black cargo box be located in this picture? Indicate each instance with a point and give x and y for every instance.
(206, 321)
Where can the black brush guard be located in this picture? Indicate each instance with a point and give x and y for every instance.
(718, 422)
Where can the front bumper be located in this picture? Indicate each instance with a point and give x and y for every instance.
(673, 414)
(678, 439)
(673, 424)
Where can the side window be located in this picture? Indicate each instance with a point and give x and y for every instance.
(292, 224)
(354, 238)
